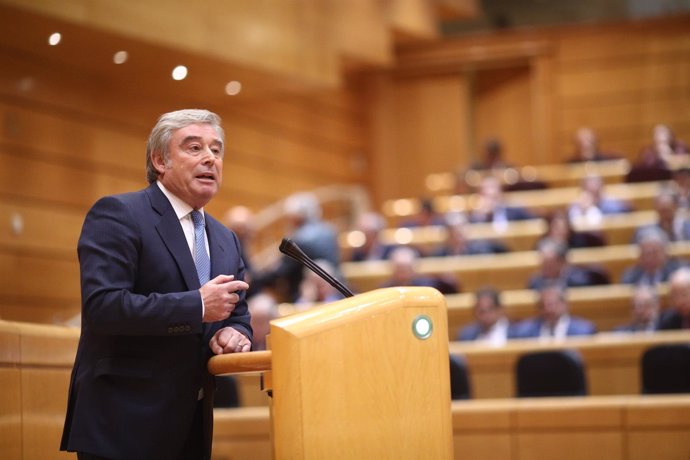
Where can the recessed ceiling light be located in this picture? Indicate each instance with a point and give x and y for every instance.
(233, 88)
(54, 39)
(120, 57)
(179, 72)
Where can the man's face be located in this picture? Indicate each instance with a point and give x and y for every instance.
(486, 312)
(552, 305)
(645, 308)
(680, 296)
(652, 255)
(194, 170)
(551, 264)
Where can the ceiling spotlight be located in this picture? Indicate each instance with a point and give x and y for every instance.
(120, 57)
(54, 39)
(179, 72)
(233, 88)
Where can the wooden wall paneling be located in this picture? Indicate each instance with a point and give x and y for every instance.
(11, 395)
(503, 109)
(57, 182)
(622, 80)
(10, 401)
(44, 394)
(301, 153)
(480, 433)
(544, 105)
(306, 118)
(44, 383)
(380, 97)
(70, 138)
(661, 430)
(38, 286)
(652, 74)
(40, 226)
(421, 126)
(242, 433)
(572, 433)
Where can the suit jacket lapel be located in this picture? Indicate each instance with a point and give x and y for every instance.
(216, 248)
(171, 233)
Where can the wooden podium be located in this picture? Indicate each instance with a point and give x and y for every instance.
(364, 377)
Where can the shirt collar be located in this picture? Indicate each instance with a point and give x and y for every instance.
(181, 208)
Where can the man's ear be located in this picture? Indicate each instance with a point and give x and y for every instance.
(157, 161)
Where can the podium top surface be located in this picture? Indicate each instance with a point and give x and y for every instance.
(357, 307)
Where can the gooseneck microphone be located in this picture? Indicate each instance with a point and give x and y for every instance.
(290, 248)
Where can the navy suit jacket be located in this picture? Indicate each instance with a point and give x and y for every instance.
(143, 349)
(532, 327)
(636, 275)
(671, 319)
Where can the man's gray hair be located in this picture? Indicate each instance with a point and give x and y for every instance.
(305, 205)
(169, 123)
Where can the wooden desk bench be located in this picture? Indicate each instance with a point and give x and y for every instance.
(640, 195)
(503, 271)
(522, 235)
(581, 428)
(554, 175)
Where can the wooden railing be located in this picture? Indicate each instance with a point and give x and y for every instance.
(639, 195)
(580, 428)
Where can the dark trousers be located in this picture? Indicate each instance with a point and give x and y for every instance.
(193, 448)
(85, 456)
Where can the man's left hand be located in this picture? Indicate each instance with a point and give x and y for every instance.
(229, 340)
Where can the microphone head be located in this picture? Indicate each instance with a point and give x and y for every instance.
(288, 247)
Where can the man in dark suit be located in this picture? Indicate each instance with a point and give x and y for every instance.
(162, 290)
(653, 265)
(645, 311)
(678, 316)
(554, 319)
(491, 325)
(555, 268)
(491, 206)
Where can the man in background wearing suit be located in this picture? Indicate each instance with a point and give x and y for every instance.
(554, 319)
(162, 290)
(491, 325)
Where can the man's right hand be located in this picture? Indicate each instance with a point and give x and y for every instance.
(220, 297)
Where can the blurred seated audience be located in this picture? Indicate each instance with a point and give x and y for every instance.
(587, 148)
(240, 220)
(555, 268)
(316, 237)
(669, 219)
(665, 151)
(592, 203)
(263, 308)
(653, 265)
(458, 244)
(404, 260)
(561, 231)
(553, 319)
(644, 311)
(680, 185)
(316, 290)
(491, 206)
(491, 323)
(426, 216)
(370, 224)
(491, 157)
(677, 316)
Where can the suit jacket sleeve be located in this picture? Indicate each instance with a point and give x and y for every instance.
(117, 297)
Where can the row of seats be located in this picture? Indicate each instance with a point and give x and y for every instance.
(664, 369)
